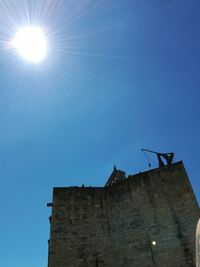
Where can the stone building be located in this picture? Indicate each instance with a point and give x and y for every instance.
(143, 220)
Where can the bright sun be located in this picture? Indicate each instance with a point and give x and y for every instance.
(30, 42)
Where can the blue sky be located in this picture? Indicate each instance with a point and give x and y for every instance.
(119, 76)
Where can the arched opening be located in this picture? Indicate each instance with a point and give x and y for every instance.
(198, 244)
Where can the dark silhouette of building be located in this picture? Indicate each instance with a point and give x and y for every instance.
(143, 220)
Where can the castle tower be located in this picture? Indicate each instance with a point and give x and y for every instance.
(143, 220)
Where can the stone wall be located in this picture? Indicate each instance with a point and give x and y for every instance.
(198, 245)
(148, 219)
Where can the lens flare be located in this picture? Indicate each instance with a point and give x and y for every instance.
(30, 42)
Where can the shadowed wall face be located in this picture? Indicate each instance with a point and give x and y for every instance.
(198, 245)
(148, 219)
